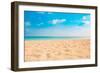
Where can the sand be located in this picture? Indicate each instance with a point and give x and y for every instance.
(43, 50)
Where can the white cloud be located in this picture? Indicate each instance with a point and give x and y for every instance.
(41, 12)
(84, 18)
(40, 24)
(61, 31)
(49, 13)
(27, 23)
(44, 12)
(57, 21)
(86, 22)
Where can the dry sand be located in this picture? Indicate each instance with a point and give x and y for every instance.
(41, 50)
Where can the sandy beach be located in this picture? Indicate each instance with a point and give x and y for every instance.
(41, 50)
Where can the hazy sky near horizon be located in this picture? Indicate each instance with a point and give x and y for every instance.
(38, 23)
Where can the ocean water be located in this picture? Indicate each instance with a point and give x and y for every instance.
(52, 38)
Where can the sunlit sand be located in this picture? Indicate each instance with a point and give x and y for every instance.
(43, 50)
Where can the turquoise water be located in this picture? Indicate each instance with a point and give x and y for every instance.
(50, 38)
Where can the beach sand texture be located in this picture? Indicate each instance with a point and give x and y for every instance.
(43, 50)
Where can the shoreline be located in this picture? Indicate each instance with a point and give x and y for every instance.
(56, 39)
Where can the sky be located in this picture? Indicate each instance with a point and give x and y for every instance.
(38, 23)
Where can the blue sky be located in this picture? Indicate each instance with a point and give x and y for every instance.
(38, 23)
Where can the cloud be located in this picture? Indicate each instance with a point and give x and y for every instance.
(44, 12)
(86, 20)
(40, 12)
(86, 17)
(27, 27)
(60, 31)
(27, 23)
(40, 24)
(57, 21)
(49, 12)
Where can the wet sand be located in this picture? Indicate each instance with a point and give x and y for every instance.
(43, 50)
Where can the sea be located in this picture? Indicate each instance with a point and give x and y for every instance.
(52, 38)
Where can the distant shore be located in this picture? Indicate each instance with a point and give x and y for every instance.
(41, 50)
